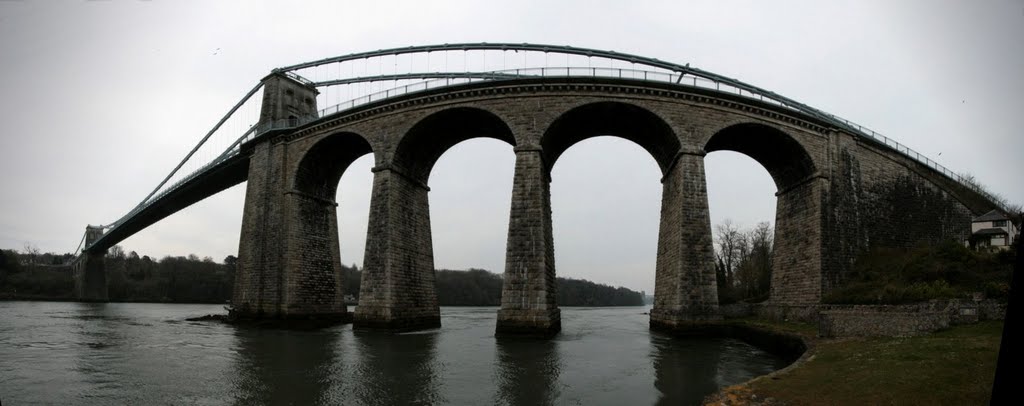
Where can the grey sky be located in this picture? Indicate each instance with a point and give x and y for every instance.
(98, 100)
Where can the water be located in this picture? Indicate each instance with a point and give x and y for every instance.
(129, 353)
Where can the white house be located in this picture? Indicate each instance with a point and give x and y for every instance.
(993, 229)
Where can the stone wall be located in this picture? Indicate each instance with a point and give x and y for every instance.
(904, 320)
(880, 322)
(880, 199)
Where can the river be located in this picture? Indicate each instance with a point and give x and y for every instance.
(148, 354)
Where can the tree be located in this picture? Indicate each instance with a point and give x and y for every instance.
(730, 244)
(743, 262)
(32, 252)
(754, 270)
(8, 263)
(1016, 213)
(116, 252)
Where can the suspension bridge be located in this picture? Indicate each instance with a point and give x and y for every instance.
(293, 134)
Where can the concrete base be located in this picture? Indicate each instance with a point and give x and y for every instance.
(385, 320)
(529, 323)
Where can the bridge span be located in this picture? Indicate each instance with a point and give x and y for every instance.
(842, 189)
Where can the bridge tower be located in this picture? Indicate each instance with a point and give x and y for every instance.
(289, 263)
(90, 275)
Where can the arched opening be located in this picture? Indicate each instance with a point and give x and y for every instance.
(782, 156)
(741, 201)
(622, 120)
(426, 141)
(470, 194)
(605, 197)
(398, 287)
(353, 197)
(757, 259)
(313, 204)
(321, 168)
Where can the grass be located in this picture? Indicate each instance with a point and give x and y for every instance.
(954, 367)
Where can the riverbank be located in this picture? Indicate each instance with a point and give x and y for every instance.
(954, 366)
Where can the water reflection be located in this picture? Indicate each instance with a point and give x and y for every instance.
(396, 369)
(100, 341)
(528, 371)
(684, 370)
(96, 354)
(283, 367)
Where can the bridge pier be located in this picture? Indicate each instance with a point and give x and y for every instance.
(397, 291)
(797, 258)
(685, 291)
(91, 277)
(528, 305)
(288, 256)
(89, 272)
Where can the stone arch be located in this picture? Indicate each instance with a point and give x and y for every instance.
(619, 119)
(785, 159)
(398, 290)
(321, 165)
(421, 146)
(313, 268)
(682, 292)
(796, 277)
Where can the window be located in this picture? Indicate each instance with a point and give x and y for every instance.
(999, 223)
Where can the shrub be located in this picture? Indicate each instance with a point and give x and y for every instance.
(943, 271)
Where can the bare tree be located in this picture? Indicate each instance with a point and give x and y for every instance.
(743, 261)
(32, 252)
(754, 271)
(730, 244)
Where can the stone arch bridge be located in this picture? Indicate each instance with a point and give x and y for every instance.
(842, 189)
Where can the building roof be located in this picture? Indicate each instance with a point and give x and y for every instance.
(990, 231)
(990, 216)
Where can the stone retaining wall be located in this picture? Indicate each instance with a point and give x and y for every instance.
(879, 322)
(875, 320)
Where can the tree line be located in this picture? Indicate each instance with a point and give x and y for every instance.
(478, 287)
(130, 278)
(743, 262)
(190, 279)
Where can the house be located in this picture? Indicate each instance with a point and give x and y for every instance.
(993, 230)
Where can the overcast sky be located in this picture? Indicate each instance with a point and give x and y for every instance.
(100, 99)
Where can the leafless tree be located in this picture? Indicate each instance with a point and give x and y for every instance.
(728, 251)
(32, 252)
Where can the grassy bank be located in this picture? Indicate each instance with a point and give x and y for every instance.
(954, 367)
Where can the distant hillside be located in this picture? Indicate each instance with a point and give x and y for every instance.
(477, 287)
(131, 278)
